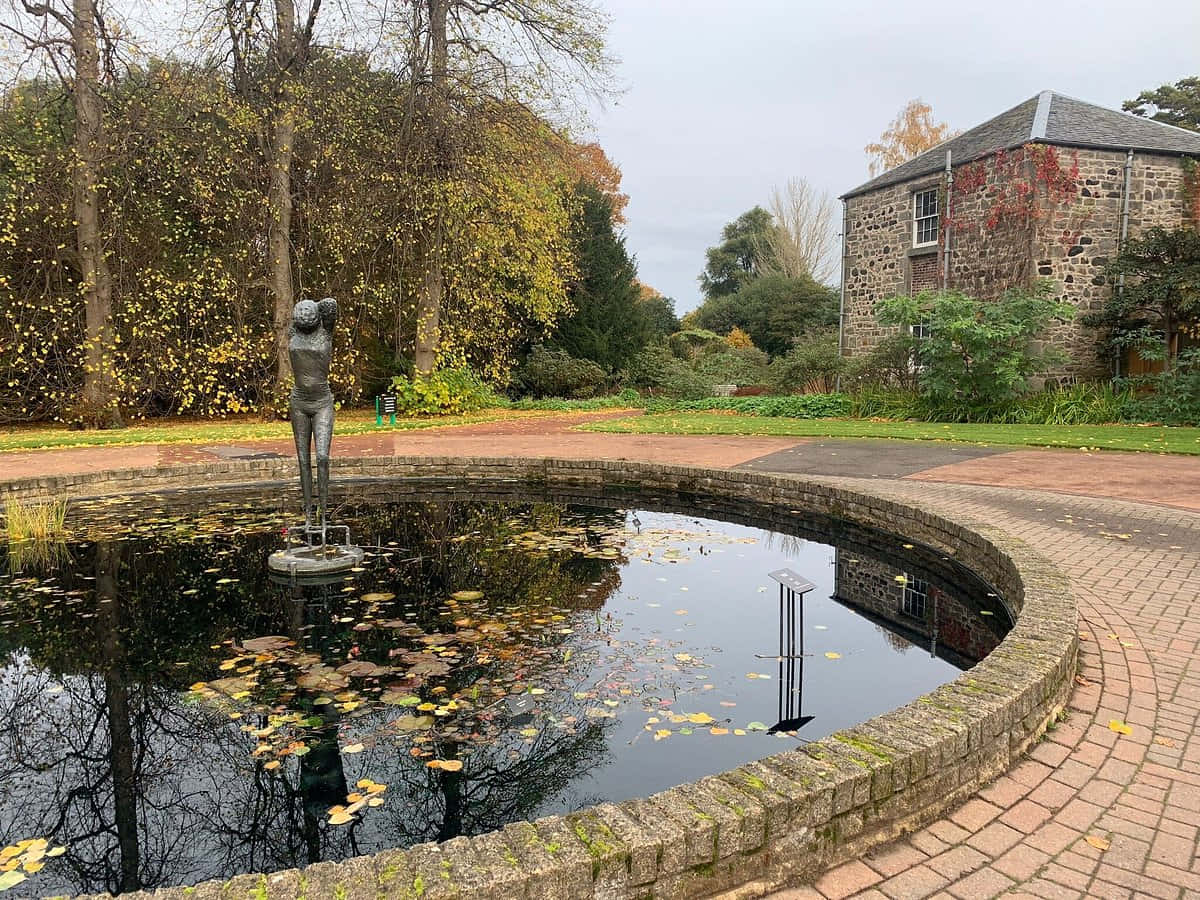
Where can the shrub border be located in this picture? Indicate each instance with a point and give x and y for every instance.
(754, 828)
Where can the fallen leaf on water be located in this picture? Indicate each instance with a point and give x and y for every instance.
(832, 655)
(446, 765)
(353, 748)
(467, 596)
(341, 817)
(700, 718)
(662, 733)
(1098, 842)
(758, 675)
(1119, 727)
(718, 731)
(11, 879)
(756, 726)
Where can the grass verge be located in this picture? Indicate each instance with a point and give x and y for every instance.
(356, 421)
(1143, 438)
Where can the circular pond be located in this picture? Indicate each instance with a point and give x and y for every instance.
(169, 713)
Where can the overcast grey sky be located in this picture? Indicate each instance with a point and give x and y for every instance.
(725, 98)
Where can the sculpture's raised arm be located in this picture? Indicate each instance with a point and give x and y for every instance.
(328, 309)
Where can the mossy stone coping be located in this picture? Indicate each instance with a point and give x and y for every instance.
(781, 819)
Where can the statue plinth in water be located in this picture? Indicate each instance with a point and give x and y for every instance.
(310, 550)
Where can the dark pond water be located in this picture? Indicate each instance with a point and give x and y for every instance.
(170, 714)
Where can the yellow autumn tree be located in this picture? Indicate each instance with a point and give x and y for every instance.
(911, 133)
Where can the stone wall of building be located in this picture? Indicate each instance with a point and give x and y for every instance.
(994, 246)
(1076, 241)
(876, 262)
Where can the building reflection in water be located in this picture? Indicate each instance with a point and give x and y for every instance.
(914, 609)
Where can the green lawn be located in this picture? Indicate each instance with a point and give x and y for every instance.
(357, 421)
(1103, 437)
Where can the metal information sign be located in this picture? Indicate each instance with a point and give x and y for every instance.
(385, 405)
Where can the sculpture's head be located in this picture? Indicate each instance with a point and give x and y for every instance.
(306, 315)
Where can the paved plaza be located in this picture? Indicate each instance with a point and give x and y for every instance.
(1090, 812)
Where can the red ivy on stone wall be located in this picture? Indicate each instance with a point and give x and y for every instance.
(1025, 185)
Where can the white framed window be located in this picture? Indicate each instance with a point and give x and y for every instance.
(920, 331)
(925, 218)
(913, 597)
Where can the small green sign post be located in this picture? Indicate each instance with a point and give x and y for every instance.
(385, 405)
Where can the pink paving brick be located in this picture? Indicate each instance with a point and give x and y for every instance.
(848, 878)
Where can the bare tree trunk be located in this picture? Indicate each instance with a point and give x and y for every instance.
(429, 303)
(433, 286)
(279, 192)
(98, 406)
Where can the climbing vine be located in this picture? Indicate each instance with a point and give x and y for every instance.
(1023, 187)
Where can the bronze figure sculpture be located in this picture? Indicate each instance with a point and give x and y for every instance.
(309, 552)
(310, 348)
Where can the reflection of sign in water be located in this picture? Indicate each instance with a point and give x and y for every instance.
(792, 588)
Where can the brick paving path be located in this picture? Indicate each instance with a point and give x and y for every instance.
(1136, 572)
(1135, 568)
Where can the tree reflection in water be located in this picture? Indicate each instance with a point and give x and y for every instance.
(102, 749)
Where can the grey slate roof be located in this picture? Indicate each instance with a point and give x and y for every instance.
(1048, 118)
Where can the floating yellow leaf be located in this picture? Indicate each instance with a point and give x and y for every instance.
(718, 731)
(700, 718)
(1119, 727)
(11, 879)
(353, 748)
(467, 596)
(832, 655)
(272, 765)
(340, 818)
(446, 765)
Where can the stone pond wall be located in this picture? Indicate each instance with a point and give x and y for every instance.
(753, 828)
(1069, 243)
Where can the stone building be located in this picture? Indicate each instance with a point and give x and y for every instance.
(1044, 190)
